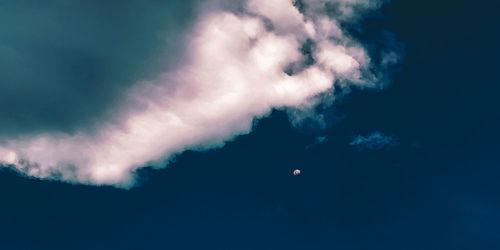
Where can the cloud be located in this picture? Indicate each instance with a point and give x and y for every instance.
(317, 142)
(375, 140)
(65, 65)
(238, 66)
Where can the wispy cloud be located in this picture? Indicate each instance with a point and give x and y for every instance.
(238, 66)
(375, 140)
(317, 141)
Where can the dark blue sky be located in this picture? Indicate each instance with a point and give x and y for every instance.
(437, 189)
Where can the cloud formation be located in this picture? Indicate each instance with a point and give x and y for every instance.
(238, 66)
(375, 140)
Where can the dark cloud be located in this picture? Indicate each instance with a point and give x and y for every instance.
(64, 64)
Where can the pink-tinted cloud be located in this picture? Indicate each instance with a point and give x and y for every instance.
(234, 73)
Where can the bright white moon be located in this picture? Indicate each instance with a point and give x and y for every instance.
(296, 172)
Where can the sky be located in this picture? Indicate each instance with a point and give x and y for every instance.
(178, 125)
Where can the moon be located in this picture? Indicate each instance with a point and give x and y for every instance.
(296, 172)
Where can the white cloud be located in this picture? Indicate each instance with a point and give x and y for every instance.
(234, 73)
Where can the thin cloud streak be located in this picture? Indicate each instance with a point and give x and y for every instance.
(375, 140)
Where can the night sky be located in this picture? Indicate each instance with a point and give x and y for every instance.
(414, 165)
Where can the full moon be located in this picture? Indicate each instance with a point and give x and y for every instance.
(296, 172)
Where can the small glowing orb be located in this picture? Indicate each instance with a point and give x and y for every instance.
(296, 172)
